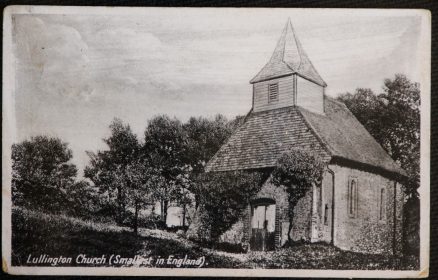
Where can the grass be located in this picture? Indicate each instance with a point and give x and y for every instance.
(37, 233)
(322, 256)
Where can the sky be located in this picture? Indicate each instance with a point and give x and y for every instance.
(74, 73)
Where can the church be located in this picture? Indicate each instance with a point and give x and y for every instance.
(358, 205)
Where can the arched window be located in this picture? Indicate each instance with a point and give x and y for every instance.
(382, 206)
(352, 198)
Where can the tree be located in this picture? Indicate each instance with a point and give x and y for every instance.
(393, 119)
(367, 108)
(224, 197)
(142, 182)
(41, 173)
(107, 169)
(204, 138)
(297, 170)
(83, 200)
(163, 148)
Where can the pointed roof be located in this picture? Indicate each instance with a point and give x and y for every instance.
(288, 58)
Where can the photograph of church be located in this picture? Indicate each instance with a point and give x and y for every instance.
(216, 142)
(358, 205)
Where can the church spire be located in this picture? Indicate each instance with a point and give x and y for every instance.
(289, 58)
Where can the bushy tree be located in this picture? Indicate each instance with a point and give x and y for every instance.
(164, 149)
(204, 138)
(142, 183)
(297, 171)
(224, 197)
(41, 173)
(107, 169)
(83, 200)
(393, 119)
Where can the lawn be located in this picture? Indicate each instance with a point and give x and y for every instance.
(37, 233)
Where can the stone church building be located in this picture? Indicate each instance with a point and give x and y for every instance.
(358, 205)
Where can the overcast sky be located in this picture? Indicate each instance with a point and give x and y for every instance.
(75, 73)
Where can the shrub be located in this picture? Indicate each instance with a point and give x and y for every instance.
(223, 197)
(297, 170)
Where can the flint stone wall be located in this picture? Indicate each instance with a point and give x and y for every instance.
(365, 232)
(240, 233)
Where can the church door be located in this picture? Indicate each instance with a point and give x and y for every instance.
(262, 226)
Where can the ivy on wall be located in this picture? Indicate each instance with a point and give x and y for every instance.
(297, 170)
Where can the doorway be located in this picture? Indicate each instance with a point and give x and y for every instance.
(263, 225)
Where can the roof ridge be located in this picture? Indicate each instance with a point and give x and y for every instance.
(284, 44)
(298, 44)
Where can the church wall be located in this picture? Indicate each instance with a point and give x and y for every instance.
(322, 217)
(310, 95)
(301, 228)
(240, 232)
(365, 231)
(285, 91)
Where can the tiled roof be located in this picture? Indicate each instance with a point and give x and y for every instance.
(345, 137)
(263, 138)
(289, 57)
(266, 135)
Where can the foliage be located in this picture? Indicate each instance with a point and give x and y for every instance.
(297, 170)
(83, 200)
(224, 197)
(41, 173)
(142, 182)
(204, 138)
(108, 169)
(130, 175)
(393, 119)
(164, 149)
(411, 226)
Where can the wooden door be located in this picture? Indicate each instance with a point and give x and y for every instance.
(263, 227)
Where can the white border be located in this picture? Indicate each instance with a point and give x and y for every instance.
(9, 135)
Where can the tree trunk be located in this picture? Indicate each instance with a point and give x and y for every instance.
(162, 210)
(292, 205)
(120, 206)
(164, 213)
(289, 231)
(196, 201)
(136, 218)
(184, 216)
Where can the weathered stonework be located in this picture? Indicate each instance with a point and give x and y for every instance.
(236, 234)
(241, 231)
(279, 194)
(365, 231)
(301, 228)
